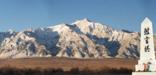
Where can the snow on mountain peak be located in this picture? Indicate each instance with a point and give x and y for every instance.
(86, 19)
(82, 39)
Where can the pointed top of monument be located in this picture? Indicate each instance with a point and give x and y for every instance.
(147, 21)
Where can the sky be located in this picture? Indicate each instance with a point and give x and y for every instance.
(120, 14)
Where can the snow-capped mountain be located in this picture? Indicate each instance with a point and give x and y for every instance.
(81, 39)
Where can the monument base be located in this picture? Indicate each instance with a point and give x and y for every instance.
(143, 73)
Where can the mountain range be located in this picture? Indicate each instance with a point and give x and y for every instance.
(81, 39)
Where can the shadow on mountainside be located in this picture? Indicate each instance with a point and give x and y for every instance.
(4, 35)
(49, 39)
(112, 46)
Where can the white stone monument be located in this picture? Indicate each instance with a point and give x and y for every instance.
(147, 62)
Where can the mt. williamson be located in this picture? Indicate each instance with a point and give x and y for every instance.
(81, 39)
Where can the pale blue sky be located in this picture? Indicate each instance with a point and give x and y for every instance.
(120, 14)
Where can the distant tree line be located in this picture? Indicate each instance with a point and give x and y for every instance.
(73, 71)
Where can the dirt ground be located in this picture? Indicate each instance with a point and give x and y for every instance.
(68, 63)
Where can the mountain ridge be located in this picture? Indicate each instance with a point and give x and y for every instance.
(81, 39)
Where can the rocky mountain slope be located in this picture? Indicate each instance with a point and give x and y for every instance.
(82, 39)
